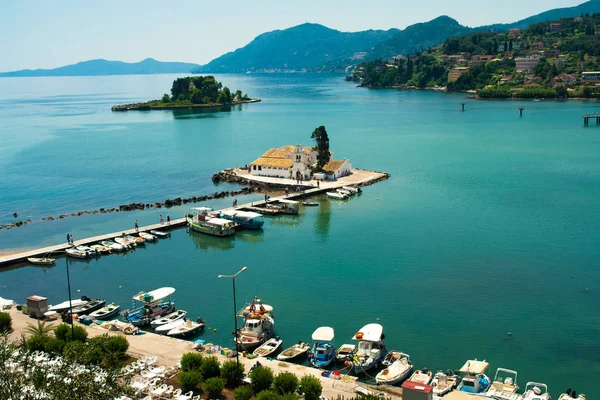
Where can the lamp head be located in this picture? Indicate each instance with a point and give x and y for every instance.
(243, 269)
(220, 276)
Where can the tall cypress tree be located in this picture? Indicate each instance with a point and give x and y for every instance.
(322, 146)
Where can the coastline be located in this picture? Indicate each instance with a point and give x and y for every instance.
(147, 107)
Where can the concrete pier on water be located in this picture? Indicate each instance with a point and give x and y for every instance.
(358, 178)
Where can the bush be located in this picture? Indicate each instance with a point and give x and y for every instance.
(290, 396)
(191, 362)
(311, 387)
(79, 334)
(262, 378)
(285, 382)
(5, 322)
(116, 345)
(189, 380)
(37, 343)
(55, 346)
(267, 395)
(210, 367)
(231, 371)
(214, 387)
(242, 393)
(61, 331)
(78, 352)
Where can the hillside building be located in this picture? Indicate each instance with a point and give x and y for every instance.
(527, 64)
(456, 73)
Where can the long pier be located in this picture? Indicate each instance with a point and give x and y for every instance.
(587, 117)
(176, 223)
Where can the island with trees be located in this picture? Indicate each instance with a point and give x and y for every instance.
(191, 92)
(550, 60)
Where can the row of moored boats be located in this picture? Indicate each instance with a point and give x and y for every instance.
(344, 192)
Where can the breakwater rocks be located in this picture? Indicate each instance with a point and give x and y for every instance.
(153, 105)
(138, 206)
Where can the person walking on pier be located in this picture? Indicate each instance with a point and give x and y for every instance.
(318, 184)
(68, 238)
(162, 221)
(72, 240)
(136, 225)
(168, 219)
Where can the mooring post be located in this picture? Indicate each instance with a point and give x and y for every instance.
(521, 111)
(463, 106)
(585, 120)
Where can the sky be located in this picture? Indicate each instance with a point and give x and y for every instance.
(48, 34)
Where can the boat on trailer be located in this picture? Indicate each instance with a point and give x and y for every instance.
(504, 386)
(41, 260)
(322, 353)
(298, 350)
(371, 349)
(268, 348)
(475, 380)
(153, 306)
(245, 219)
(536, 391)
(105, 312)
(398, 368)
(199, 219)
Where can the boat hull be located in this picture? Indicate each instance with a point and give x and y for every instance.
(209, 230)
(107, 315)
(87, 309)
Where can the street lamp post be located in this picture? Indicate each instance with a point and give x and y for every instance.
(70, 302)
(237, 357)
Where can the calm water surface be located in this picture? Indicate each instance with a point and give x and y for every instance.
(488, 225)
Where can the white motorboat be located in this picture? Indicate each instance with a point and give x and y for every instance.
(504, 385)
(163, 329)
(345, 192)
(106, 312)
(421, 376)
(336, 196)
(351, 189)
(89, 307)
(179, 314)
(474, 380)
(113, 246)
(345, 352)
(259, 325)
(72, 252)
(100, 248)
(136, 239)
(444, 382)
(188, 328)
(297, 350)
(148, 237)
(159, 234)
(41, 261)
(322, 353)
(60, 307)
(268, 348)
(124, 241)
(371, 348)
(536, 391)
(398, 368)
(153, 306)
(89, 250)
(572, 395)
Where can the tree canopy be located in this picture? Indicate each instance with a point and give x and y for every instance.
(322, 146)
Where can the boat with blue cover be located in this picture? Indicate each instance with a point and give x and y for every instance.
(246, 219)
(155, 304)
(323, 351)
(475, 380)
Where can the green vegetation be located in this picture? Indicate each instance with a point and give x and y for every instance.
(189, 380)
(311, 387)
(5, 322)
(210, 367)
(214, 387)
(262, 378)
(231, 372)
(322, 146)
(544, 61)
(285, 382)
(191, 362)
(242, 393)
(267, 395)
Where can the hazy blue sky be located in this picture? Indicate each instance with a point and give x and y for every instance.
(47, 34)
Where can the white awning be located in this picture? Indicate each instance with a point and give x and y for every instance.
(324, 333)
(370, 333)
(154, 295)
(286, 201)
(474, 367)
(219, 221)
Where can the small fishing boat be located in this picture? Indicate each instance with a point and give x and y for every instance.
(344, 192)
(41, 261)
(136, 239)
(536, 391)
(89, 307)
(310, 203)
(179, 314)
(351, 189)
(398, 368)
(297, 350)
(72, 252)
(475, 380)
(444, 382)
(267, 348)
(421, 376)
(106, 312)
(323, 352)
(89, 250)
(200, 220)
(163, 329)
(345, 352)
(100, 248)
(371, 349)
(124, 241)
(148, 237)
(245, 219)
(113, 246)
(336, 196)
(504, 385)
(572, 395)
(285, 206)
(259, 325)
(159, 234)
(65, 305)
(188, 328)
(153, 306)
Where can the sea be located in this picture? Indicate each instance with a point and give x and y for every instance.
(482, 244)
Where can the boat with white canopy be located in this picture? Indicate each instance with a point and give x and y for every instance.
(398, 368)
(323, 351)
(201, 220)
(371, 349)
(245, 219)
(475, 380)
(504, 385)
(536, 391)
(286, 206)
(259, 325)
(155, 304)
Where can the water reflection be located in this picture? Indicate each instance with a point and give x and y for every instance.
(205, 242)
(202, 112)
(252, 236)
(323, 219)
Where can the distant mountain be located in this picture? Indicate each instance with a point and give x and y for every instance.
(301, 47)
(105, 67)
(590, 7)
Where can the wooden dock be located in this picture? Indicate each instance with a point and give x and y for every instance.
(177, 223)
(587, 117)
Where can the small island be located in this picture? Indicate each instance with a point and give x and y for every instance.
(192, 92)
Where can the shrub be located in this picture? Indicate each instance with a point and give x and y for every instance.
(210, 367)
(285, 382)
(77, 352)
(290, 396)
(189, 379)
(262, 378)
(5, 322)
(116, 345)
(79, 334)
(191, 362)
(214, 387)
(231, 371)
(242, 393)
(54, 346)
(36, 343)
(311, 387)
(267, 395)
(61, 331)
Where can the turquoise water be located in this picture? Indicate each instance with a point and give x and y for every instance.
(488, 225)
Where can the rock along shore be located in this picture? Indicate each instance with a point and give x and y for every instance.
(147, 107)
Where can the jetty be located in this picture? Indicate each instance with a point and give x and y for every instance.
(587, 117)
(239, 175)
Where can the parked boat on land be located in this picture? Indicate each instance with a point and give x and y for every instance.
(159, 234)
(345, 352)
(422, 376)
(65, 305)
(504, 385)
(398, 368)
(245, 219)
(41, 260)
(106, 312)
(259, 325)
(148, 237)
(536, 391)
(444, 382)
(336, 196)
(73, 252)
(475, 380)
(89, 307)
(199, 219)
(297, 350)
(113, 246)
(322, 353)
(188, 328)
(371, 349)
(100, 249)
(268, 348)
(174, 316)
(153, 306)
